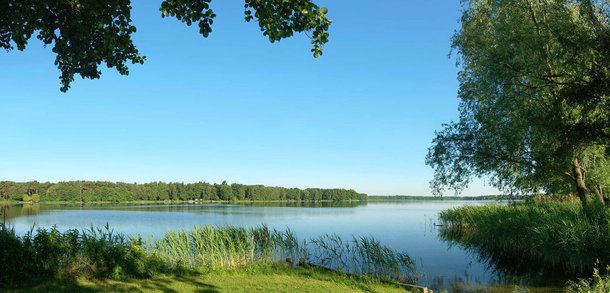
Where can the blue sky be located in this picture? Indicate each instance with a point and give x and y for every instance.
(235, 107)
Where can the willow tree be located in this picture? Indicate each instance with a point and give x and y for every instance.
(85, 33)
(534, 91)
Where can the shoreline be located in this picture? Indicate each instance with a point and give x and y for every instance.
(172, 202)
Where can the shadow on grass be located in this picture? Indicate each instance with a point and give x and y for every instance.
(174, 285)
(201, 286)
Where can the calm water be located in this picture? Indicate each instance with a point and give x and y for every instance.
(405, 226)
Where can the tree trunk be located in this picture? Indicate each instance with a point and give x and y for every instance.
(600, 194)
(579, 180)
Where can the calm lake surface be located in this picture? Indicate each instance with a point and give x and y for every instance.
(407, 226)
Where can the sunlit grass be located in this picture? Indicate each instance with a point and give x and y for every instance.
(259, 277)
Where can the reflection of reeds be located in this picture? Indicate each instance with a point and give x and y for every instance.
(532, 237)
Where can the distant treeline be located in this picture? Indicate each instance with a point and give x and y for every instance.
(100, 191)
(412, 197)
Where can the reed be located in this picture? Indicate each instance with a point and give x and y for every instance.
(93, 253)
(45, 254)
(543, 237)
(363, 256)
(209, 247)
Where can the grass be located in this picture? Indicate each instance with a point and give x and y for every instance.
(533, 237)
(261, 277)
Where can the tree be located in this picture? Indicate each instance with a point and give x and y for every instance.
(225, 192)
(86, 33)
(7, 189)
(534, 90)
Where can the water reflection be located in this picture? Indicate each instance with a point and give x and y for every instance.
(510, 266)
(15, 210)
(8, 212)
(309, 204)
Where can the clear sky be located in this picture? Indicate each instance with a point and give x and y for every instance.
(235, 107)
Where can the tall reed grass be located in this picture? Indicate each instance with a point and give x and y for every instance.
(211, 247)
(364, 256)
(102, 253)
(542, 237)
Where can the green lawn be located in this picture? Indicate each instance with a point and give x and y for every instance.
(257, 278)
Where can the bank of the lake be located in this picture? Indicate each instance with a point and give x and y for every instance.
(45, 257)
(409, 226)
(174, 202)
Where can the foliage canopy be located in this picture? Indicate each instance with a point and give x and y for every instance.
(100, 191)
(86, 33)
(534, 110)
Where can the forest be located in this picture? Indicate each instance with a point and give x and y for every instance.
(102, 191)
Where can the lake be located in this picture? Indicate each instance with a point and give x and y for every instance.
(407, 226)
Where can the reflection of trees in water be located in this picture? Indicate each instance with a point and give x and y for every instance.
(8, 212)
(12, 211)
(310, 204)
(509, 266)
(3, 213)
